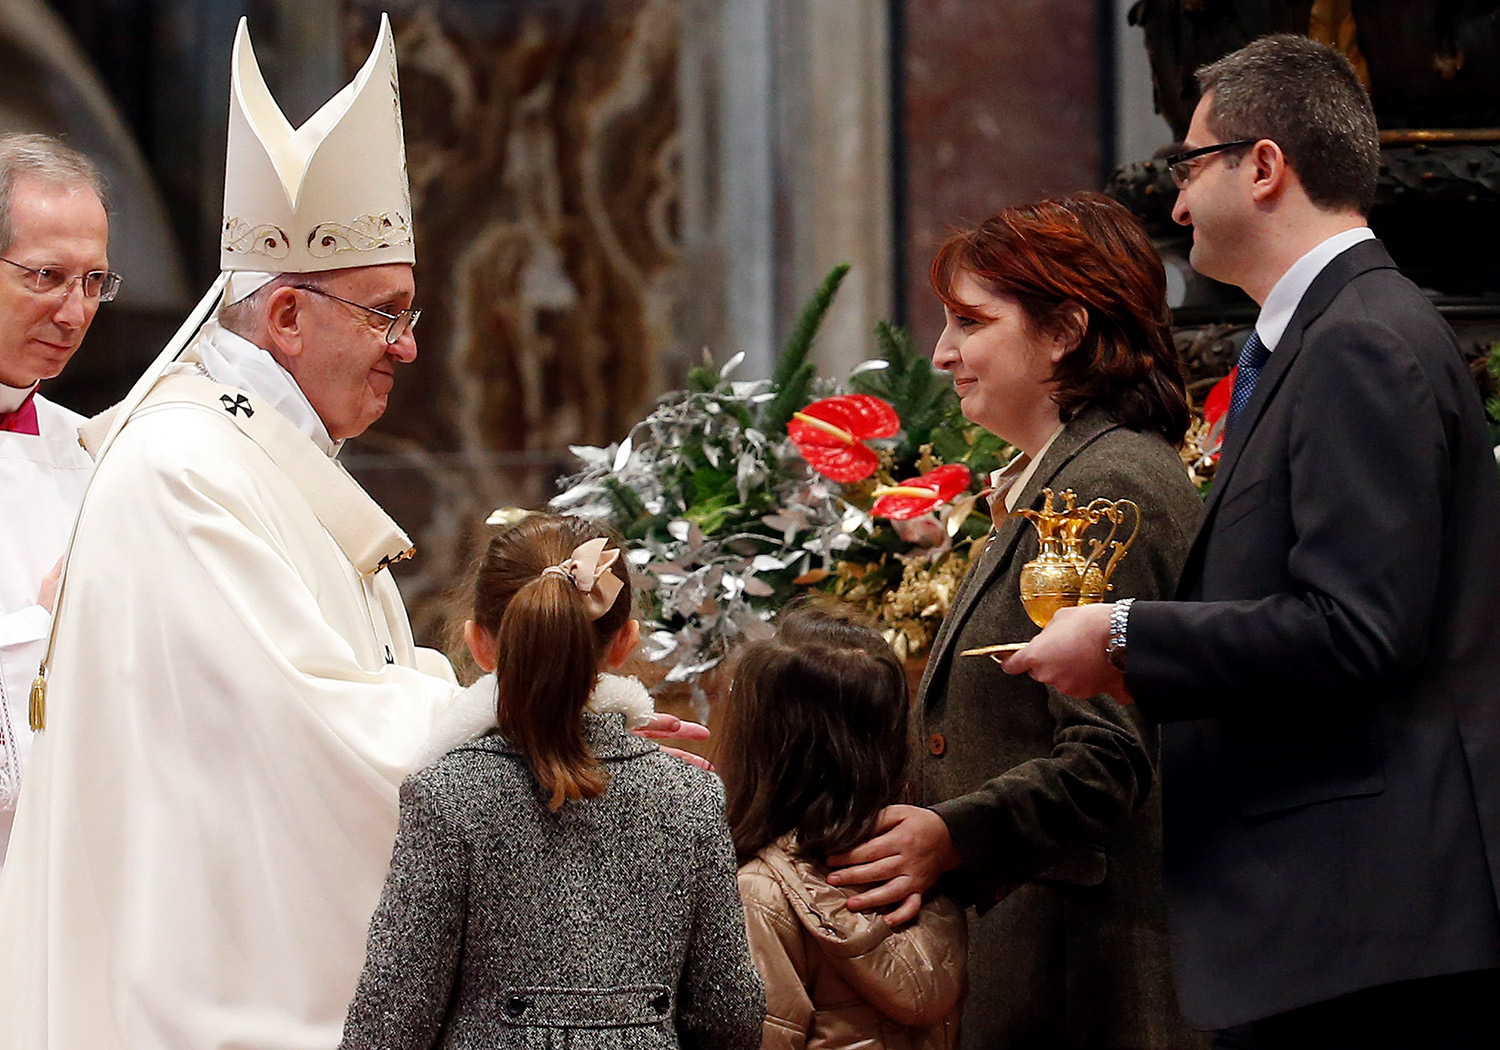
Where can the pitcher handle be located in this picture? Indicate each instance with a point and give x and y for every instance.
(1099, 508)
(1121, 548)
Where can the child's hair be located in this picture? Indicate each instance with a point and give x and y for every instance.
(816, 735)
(548, 649)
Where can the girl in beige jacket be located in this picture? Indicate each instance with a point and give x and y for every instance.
(815, 744)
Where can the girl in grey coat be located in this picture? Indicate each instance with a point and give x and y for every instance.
(559, 882)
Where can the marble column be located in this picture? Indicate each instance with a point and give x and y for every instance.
(1002, 107)
(836, 189)
(544, 160)
(787, 171)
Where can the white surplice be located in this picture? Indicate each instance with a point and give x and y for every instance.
(42, 478)
(231, 707)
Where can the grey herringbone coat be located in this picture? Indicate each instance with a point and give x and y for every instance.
(614, 922)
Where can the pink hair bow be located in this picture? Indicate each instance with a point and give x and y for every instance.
(588, 569)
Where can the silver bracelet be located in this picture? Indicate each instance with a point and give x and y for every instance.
(1119, 621)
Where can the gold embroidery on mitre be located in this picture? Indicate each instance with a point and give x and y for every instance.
(265, 239)
(364, 234)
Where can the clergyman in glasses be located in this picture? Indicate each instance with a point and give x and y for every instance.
(54, 273)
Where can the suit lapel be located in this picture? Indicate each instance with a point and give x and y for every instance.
(1007, 532)
(1345, 267)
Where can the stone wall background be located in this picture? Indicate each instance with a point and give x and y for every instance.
(544, 161)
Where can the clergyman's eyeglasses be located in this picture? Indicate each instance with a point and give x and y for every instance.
(54, 280)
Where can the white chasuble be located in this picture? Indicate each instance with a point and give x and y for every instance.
(231, 706)
(42, 478)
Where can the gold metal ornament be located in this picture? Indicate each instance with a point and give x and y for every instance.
(37, 713)
(1062, 575)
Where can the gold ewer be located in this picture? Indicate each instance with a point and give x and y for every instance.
(1056, 578)
(1062, 575)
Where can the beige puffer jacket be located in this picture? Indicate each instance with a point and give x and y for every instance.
(839, 979)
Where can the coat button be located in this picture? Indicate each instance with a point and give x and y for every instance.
(515, 1006)
(661, 1002)
(936, 744)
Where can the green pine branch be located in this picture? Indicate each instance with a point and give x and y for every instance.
(703, 378)
(794, 372)
(630, 514)
(921, 396)
(790, 397)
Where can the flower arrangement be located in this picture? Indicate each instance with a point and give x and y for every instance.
(736, 496)
(1490, 391)
(1204, 441)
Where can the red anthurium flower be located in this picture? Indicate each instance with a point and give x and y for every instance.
(1216, 413)
(916, 497)
(831, 433)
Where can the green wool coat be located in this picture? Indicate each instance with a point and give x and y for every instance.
(1052, 802)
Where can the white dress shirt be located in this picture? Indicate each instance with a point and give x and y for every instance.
(1286, 295)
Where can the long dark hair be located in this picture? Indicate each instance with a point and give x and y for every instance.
(548, 649)
(816, 734)
(1089, 251)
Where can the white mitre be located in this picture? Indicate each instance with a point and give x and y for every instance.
(329, 195)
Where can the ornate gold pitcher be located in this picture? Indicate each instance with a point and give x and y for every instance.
(1096, 581)
(1055, 578)
(1062, 575)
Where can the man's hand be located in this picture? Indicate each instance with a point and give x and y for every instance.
(670, 727)
(1069, 655)
(911, 848)
(48, 596)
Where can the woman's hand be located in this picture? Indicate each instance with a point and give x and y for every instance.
(911, 848)
(669, 727)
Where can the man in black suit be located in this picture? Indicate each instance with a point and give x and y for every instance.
(1329, 678)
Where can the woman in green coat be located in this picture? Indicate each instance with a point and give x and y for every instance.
(1041, 809)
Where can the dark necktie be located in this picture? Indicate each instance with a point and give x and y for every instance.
(1253, 357)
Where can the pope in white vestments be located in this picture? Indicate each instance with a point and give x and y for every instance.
(42, 476)
(233, 695)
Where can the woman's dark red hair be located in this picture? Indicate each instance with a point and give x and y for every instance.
(1088, 250)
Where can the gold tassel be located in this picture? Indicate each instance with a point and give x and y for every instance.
(39, 703)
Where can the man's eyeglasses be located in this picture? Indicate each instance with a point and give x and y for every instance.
(52, 280)
(400, 323)
(1182, 165)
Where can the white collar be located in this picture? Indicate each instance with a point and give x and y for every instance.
(472, 714)
(12, 397)
(1010, 479)
(235, 361)
(1287, 293)
(619, 694)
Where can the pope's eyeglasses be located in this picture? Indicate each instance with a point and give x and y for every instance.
(400, 323)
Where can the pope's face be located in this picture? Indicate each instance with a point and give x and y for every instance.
(53, 226)
(345, 367)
